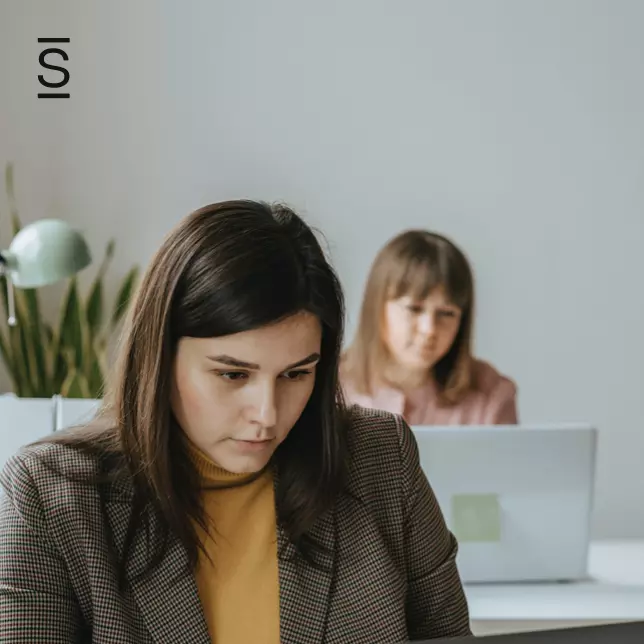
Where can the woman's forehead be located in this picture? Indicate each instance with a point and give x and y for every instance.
(287, 341)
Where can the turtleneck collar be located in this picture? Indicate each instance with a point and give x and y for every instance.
(212, 475)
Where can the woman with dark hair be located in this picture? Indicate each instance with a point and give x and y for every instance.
(224, 492)
(412, 353)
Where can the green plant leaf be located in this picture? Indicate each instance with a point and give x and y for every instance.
(28, 317)
(5, 352)
(75, 386)
(69, 338)
(94, 306)
(20, 366)
(5, 298)
(15, 225)
(95, 376)
(50, 342)
(48, 332)
(109, 256)
(20, 338)
(32, 321)
(124, 295)
(11, 199)
(28, 371)
(8, 343)
(94, 309)
(9, 184)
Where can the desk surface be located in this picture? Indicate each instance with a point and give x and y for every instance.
(615, 591)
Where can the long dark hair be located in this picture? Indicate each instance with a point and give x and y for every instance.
(226, 268)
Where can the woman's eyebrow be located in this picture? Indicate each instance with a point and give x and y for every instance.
(236, 362)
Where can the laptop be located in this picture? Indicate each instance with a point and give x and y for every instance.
(518, 498)
(629, 633)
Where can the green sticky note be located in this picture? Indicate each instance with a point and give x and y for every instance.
(476, 517)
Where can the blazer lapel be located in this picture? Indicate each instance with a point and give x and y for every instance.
(167, 598)
(305, 590)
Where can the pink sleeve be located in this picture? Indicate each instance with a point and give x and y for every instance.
(502, 406)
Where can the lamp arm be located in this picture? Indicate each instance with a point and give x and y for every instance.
(11, 305)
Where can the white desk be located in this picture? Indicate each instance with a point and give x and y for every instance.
(614, 593)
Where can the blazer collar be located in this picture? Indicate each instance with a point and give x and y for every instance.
(305, 589)
(168, 597)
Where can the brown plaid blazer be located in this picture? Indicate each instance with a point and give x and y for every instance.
(393, 574)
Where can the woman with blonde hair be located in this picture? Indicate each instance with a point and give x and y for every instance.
(412, 353)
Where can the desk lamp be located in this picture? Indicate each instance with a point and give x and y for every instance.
(42, 253)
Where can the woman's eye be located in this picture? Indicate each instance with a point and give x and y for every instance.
(415, 309)
(295, 375)
(231, 375)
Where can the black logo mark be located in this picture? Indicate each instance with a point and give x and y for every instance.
(43, 63)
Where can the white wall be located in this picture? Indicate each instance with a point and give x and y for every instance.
(515, 127)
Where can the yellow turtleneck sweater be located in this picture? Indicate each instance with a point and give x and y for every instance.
(239, 590)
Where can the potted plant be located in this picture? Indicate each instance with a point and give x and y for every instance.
(69, 356)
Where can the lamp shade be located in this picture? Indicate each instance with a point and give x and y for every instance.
(45, 252)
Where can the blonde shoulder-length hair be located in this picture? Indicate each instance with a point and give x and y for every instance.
(414, 263)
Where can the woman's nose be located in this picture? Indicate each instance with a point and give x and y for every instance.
(426, 324)
(265, 406)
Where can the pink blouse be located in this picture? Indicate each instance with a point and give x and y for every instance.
(491, 401)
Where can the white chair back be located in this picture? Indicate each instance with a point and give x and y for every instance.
(74, 411)
(22, 421)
